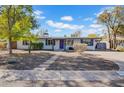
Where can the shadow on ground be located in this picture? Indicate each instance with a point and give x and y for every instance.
(23, 61)
(83, 62)
(58, 83)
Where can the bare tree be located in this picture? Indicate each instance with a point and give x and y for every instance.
(112, 19)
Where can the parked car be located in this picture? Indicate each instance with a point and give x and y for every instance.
(70, 49)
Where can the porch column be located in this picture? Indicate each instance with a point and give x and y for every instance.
(53, 43)
(65, 44)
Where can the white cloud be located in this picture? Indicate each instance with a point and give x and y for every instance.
(86, 32)
(88, 19)
(67, 18)
(95, 25)
(60, 25)
(97, 14)
(38, 14)
(58, 30)
(40, 17)
(102, 10)
(94, 21)
(90, 31)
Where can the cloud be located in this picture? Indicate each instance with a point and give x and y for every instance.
(38, 14)
(58, 30)
(40, 17)
(94, 21)
(88, 19)
(86, 32)
(95, 25)
(60, 25)
(97, 14)
(102, 10)
(90, 31)
(67, 18)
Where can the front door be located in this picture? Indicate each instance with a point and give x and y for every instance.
(61, 44)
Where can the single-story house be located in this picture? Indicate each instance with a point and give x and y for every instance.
(59, 43)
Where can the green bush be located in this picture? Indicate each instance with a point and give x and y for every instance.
(120, 48)
(37, 46)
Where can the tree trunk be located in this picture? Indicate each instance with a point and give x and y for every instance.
(29, 49)
(10, 45)
(109, 37)
(9, 29)
(115, 44)
(110, 44)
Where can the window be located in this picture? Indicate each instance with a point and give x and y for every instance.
(89, 42)
(25, 42)
(48, 42)
(69, 42)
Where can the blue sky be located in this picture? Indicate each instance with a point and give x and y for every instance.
(66, 19)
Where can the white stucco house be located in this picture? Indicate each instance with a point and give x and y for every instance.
(59, 43)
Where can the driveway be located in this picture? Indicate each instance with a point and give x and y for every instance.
(116, 57)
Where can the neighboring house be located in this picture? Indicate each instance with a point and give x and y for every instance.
(120, 40)
(61, 43)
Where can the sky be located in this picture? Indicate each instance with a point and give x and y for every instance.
(63, 20)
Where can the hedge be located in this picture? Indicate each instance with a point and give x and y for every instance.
(37, 46)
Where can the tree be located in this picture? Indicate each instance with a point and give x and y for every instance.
(65, 35)
(112, 19)
(16, 22)
(31, 38)
(121, 30)
(92, 35)
(42, 32)
(76, 34)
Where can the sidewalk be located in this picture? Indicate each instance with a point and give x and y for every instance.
(60, 78)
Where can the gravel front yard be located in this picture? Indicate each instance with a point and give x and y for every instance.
(65, 61)
(83, 63)
(23, 61)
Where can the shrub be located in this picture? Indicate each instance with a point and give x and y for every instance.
(80, 47)
(2, 45)
(36, 46)
(120, 48)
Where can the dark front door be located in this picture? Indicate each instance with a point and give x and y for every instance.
(61, 44)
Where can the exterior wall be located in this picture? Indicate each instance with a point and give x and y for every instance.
(57, 43)
(74, 41)
(44, 44)
(107, 44)
(93, 46)
(21, 46)
(56, 46)
(88, 47)
(7, 46)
